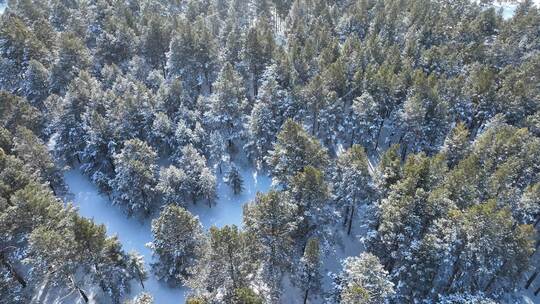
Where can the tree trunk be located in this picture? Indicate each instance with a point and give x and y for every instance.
(306, 295)
(492, 279)
(453, 276)
(350, 220)
(52, 188)
(81, 292)
(531, 279)
(353, 134)
(378, 135)
(12, 270)
(346, 216)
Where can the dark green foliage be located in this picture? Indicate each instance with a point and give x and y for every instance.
(246, 296)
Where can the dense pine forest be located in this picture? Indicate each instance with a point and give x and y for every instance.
(404, 131)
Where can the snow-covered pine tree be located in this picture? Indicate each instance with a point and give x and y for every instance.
(311, 195)
(234, 180)
(364, 280)
(456, 145)
(388, 171)
(172, 186)
(162, 134)
(67, 121)
(30, 149)
(136, 177)
(353, 183)
(36, 84)
(366, 121)
(268, 114)
(97, 156)
(216, 151)
(293, 151)
(226, 264)
(226, 113)
(200, 181)
(271, 220)
(308, 272)
(73, 57)
(178, 239)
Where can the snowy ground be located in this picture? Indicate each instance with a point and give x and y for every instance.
(134, 234)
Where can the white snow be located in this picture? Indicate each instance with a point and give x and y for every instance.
(134, 233)
(509, 8)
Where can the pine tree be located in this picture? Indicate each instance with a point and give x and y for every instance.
(171, 96)
(142, 298)
(16, 111)
(367, 121)
(484, 246)
(271, 220)
(364, 280)
(97, 155)
(308, 272)
(293, 151)
(257, 52)
(73, 58)
(185, 135)
(131, 114)
(235, 181)
(246, 295)
(36, 83)
(389, 170)
(178, 239)
(71, 134)
(29, 148)
(353, 183)
(172, 186)
(527, 207)
(135, 180)
(456, 144)
(207, 186)
(272, 105)
(192, 56)
(155, 42)
(162, 134)
(225, 264)
(200, 181)
(226, 113)
(216, 150)
(311, 195)
(462, 298)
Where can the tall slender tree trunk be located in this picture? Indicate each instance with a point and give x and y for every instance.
(531, 279)
(346, 216)
(495, 275)
(306, 295)
(350, 220)
(378, 135)
(537, 221)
